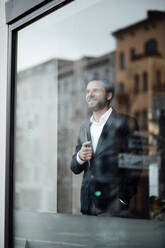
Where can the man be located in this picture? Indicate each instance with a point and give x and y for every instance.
(107, 187)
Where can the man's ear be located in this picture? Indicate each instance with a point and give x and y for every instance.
(109, 96)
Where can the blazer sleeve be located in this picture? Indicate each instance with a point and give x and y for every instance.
(132, 149)
(75, 166)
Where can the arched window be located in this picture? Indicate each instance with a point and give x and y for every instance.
(151, 47)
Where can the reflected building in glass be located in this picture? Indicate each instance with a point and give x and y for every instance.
(36, 168)
(137, 68)
(140, 92)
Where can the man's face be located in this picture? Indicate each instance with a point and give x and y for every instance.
(96, 96)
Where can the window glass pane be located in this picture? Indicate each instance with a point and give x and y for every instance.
(122, 60)
(136, 83)
(132, 53)
(89, 125)
(145, 81)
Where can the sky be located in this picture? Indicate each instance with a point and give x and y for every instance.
(81, 28)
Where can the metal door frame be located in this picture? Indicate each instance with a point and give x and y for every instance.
(13, 28)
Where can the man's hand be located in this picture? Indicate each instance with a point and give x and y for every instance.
(86, 152)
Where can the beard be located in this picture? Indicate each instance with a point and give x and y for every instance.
(99, 105)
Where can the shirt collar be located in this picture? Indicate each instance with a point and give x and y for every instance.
(103, 118)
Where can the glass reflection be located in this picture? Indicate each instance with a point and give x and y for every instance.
(73, 48)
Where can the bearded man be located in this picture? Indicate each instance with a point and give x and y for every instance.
(107, 187)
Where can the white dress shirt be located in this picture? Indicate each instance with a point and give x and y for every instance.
(95, 130)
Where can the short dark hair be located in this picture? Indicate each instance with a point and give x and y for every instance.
(109, 86)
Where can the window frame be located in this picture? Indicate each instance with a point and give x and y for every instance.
(13, 28)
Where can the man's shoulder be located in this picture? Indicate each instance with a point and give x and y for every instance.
(123, 116)
(125, 120)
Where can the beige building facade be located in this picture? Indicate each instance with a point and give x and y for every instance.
(140, 64)
(140, 91)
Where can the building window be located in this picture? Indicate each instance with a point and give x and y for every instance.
(122, 60)
(132, 53)
(158, 77)
(145, 81)
(144, 119)
(137, 116)
(151, 47)
(121, 88)
(136, 84)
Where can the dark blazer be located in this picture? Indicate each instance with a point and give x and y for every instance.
(104, 175)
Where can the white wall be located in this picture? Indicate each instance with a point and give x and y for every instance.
(3, 85)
